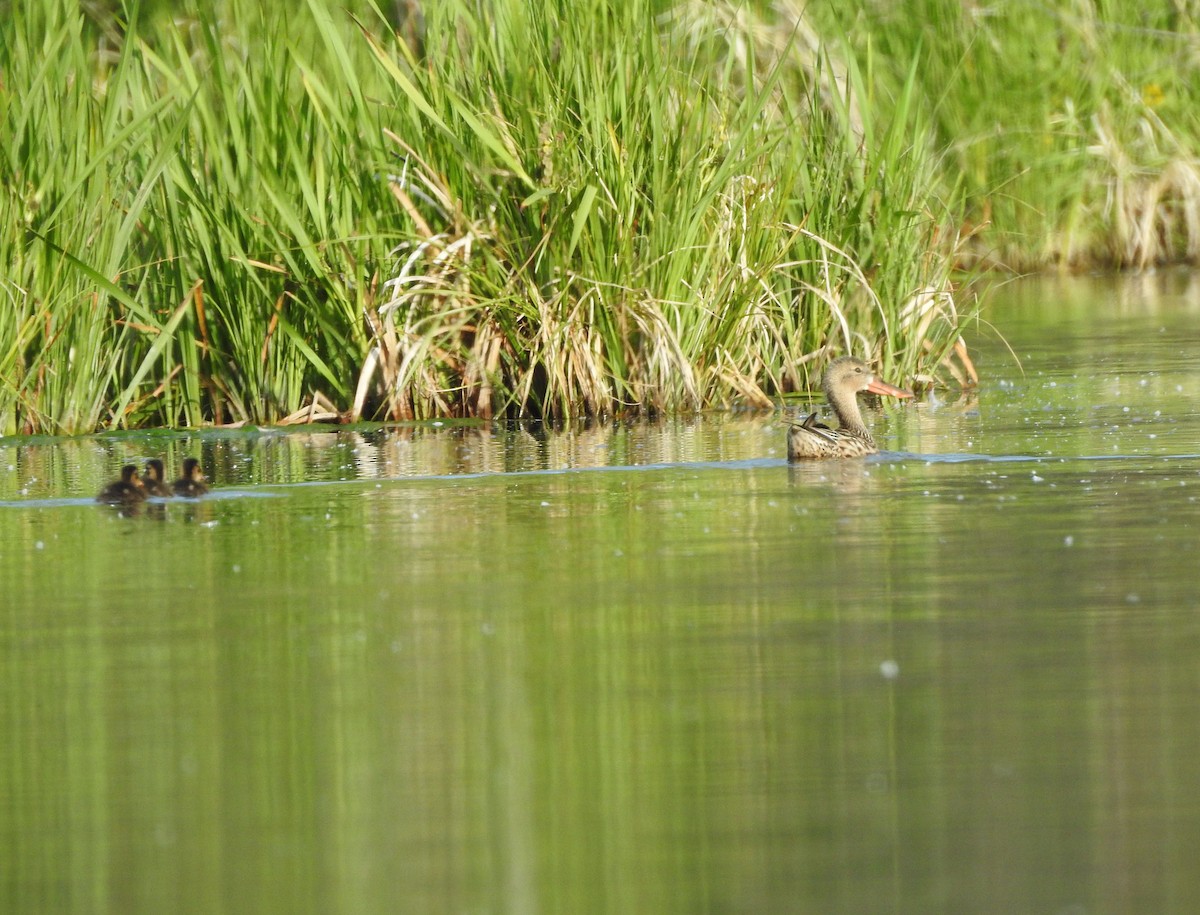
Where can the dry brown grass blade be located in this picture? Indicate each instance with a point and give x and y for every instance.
(960, 350)
(481, 367)
(917, 317)
(204, 363)
(365, 376)
(201, 319)
(320, 409)
(411, 211)
(744, 384)
(271, 326)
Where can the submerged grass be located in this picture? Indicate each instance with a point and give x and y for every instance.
(250, 215)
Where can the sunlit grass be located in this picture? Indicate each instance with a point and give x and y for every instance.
(678, 239)
(552, 209)
(1075, 127)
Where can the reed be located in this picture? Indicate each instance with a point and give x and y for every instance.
(552, 209)
(634, 239)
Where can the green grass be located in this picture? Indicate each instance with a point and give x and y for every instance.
(233, 214)
(1074, 128)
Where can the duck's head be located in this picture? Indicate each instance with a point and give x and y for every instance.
(129, 474)
(154, 470)
(847, 376)
(192, 471)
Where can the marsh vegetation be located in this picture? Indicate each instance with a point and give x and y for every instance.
(224, 213)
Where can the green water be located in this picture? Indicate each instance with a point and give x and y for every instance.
(651, 669)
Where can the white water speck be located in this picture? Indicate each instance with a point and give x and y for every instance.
(212, 523)
(1036, 478)
(876, 783)
(1068, 540)
(40, 545)
(545, 505)
(236, 569)
(889, 669)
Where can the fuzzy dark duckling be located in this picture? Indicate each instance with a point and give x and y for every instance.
(129, 488)
(191, 484)
(155, 479)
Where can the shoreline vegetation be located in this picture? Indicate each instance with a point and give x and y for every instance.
(222, 213)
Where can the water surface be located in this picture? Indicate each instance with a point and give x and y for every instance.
(643, 669)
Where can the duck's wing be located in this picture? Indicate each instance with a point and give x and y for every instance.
(819, 430)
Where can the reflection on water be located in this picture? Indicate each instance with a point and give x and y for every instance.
(642, 669)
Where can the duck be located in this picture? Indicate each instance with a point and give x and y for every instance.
(192, 483)
(154, 479)
(844, 378)
(129, 488)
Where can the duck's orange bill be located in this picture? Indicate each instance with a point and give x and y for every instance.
(882, 387)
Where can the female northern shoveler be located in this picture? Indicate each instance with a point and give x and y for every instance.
(192, 482)
(842, 381)
(127, 489)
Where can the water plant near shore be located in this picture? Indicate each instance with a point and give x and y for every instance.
(551, 209)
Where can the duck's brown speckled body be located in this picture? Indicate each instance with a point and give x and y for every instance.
(125, 490)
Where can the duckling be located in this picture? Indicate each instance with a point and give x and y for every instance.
(129, 488)
(192, 483)
(154, 479)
